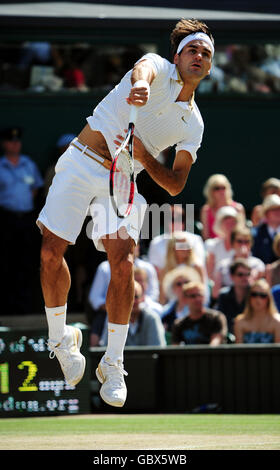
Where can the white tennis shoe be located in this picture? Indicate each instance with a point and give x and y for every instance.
(113, 390)
(72, 362)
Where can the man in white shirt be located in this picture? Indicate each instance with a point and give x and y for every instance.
(168, 115)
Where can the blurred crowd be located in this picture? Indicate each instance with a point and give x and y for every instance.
(219, 285)
(42, 66)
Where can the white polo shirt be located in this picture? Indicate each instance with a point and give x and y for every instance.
(163, 122)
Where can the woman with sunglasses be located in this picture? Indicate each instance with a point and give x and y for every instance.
(260, 321)
(218, 193)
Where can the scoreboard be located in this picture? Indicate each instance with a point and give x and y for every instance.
(32, 384)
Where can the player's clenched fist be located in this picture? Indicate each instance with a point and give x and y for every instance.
(139, 93)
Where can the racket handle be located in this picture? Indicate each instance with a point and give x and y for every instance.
(133, 114)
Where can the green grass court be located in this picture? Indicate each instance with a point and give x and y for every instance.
(99, 432)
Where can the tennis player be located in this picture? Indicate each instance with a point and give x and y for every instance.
(167, 116)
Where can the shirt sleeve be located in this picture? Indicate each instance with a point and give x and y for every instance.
(155, 332)
(193, 143)
(159, 64)
(98, 290)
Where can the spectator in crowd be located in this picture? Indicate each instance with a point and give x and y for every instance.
(172, 285)
(202, 325)
(99, 287)
(260, 320)
(180, 253)
(20, 180)
(241, 242)
(218, 193)
(270, 186)
(231, 299)
(220, 248)
(158, 246)
(145, 327)
(61, 145)
(264, 233)
(272, 274)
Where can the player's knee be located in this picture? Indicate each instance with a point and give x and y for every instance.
(51, 256)
(123, 268)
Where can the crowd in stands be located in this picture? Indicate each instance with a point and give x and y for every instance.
(42, 66)
(218, 286)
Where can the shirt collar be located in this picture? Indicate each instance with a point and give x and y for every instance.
(272, 230)
(175, 75)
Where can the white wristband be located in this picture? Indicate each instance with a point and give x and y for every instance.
(142, 84)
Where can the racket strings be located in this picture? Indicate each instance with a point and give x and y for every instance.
(122, 181)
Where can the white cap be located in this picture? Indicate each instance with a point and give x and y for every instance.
(222, 213)
(271, 201)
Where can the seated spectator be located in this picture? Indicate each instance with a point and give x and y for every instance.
(260, 320)
(20, 181)
(272, 274)
(172, 286)
(145, 327)
(270, 186)
(202, 325)
(220, 248)
(241, 242)
(158, 245)
(231, 300)
(141, 276)
(218, 193)
(264, 233)
(180, 253)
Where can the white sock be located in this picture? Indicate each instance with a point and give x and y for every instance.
(56, 318)
(117, 335)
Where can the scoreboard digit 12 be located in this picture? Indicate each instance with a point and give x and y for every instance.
(31, 384)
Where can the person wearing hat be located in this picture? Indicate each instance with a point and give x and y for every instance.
(20, 180)
(270, 186)
(220, 248)
(176, 307)
(264, 233)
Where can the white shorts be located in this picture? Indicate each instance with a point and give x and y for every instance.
(81, 186)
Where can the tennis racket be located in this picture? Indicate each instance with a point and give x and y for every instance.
(122, 180)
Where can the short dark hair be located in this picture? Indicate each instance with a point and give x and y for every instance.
(185, 27)
(237, 263)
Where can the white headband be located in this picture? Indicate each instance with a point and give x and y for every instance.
(191, 37)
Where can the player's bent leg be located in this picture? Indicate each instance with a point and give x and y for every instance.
(64, 341)
(110, 371)
(54, 272)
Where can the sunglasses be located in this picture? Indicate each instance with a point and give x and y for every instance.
(180, 283)
(259, 294)
(240, 274)
(219, 188)
(193, 296)
(242, 242)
